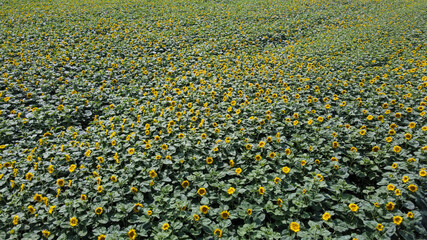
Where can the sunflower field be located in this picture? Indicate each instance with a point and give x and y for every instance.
(208, 119)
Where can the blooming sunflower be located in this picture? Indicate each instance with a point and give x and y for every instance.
(218, 232)
(397, 149)
(412, 188)
(225, 214)
(326, 216)
(45, 233)
(74, 221)
(131, 151)
(261, 190)
(201, 191)
(397, 220)
(132, 234)
(185, 184)
(165, 226)
(390, 206)
(353, 207)
(295, 227)
(99, 210)
(204, 209)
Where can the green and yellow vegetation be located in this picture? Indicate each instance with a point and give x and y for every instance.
(138, 119)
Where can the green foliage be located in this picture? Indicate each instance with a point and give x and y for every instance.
(208, 119)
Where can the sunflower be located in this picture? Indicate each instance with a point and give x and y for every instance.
(102, 237)
(38, 197)
(15, 220)
(131, 151)
(397, 149)
(132, 234)
(277, 180)
(397, 220)
(196, 217)
(335, 144)
(88, 152)
(390, 206)
(74, 221)
(231, 190)
(279, 202)
(99, 210)
(390, 187)
(204, 209)
(218, 232)
(165, 226)
(353, 207)
(238, 171)
(412, 188)
(249, 211)
(72, 168)
(225, 214)
(287, 151)
(258, 157)
(326, 216)
(137, 206)
(295, 227)
(100, 189)
(152, 174)
(375, 149)
(51, 209)
(201, 191)
(231, 163)
(261, 144)
(29, 176)
(113, 178)
(380, 227)
(60, 182)
(261, 190)
(45, 233)
(405, 179)
(83, 197)
(410, 215)
(272, 154)
(248, 146)
(286, 170)
(209, 160)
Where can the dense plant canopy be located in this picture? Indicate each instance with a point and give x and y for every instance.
(213, 119)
